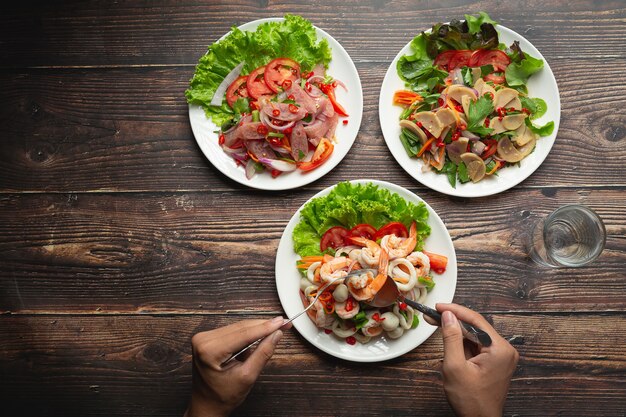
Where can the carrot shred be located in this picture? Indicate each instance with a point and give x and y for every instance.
(426, 146)
(311, 259)
(406, 97)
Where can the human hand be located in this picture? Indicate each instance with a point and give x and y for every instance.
(218, 390)
(475, 378)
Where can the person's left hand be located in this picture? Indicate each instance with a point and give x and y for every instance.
(218, 390)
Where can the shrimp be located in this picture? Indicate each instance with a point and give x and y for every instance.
(421, 262)
(365, 286)
(334, 268)
(370, 254)
(400, 247)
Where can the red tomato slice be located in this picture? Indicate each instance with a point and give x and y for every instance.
(443, 59)
(322, 153)
(496, 58)
(280, 70)
(393, 228)
(438, 263)
(459, 60)
(334, 238)
(496, 79)
(256, 83)
(237, 90)
(363, 230)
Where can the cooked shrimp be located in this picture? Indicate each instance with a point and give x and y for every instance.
(400, 247)
(365, 286)
(370, 254)
(334, 269)
(421, 262)
(340, 309)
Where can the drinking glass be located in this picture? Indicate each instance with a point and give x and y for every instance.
(571, 236)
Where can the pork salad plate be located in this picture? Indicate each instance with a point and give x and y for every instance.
(469, 108)
(276, 103)
(364, 225)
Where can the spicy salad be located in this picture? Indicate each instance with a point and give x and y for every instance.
(361, 226)
(467, 112)
(269, 93)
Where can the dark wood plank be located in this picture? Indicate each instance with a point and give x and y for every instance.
(168, 32)
(182, 252)
(128, 130)
(132, 365)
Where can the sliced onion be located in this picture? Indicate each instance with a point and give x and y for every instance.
(218, 96)
(267, 121)
(316, 78)
(315, 91)
(278, 164)
(341, 84)
(250, 169)
(469, 135)
(456, 77)
(478, 147)
(230, 150)
(279, 150)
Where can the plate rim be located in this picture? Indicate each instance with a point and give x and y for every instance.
(466, 190)
(284, 182)
(286, 244)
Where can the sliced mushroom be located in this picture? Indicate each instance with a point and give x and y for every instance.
(523, 135)
(430, 122)
(475, 166)
(465, 102)
(456, 149)
(496, 125)
(527, 148)
(482, 87)
(513, 121)
(515, 104)
(503, 96)
(407, 124)
(446, 116)
(508, 151)
(445, 132)
(457, 92)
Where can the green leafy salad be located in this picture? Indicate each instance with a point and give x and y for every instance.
(467, 112)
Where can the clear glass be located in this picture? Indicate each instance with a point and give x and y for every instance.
(571, 236)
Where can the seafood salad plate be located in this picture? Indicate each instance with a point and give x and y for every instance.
(276, 103)
(383, 230)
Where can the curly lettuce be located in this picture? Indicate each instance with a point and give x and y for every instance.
(294, 38)
(350, 204)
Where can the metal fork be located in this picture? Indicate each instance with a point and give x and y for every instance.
(319, 293)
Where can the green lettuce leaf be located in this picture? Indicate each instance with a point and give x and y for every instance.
(293, 38)
(350, 204)
(474, 23)
(517, 74)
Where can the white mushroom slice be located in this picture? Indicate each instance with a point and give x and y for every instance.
(527, 148)
(513, 121)
(475, 166)
(456, 92)
(445, 132)
(479, 84)
(515, 104)
(508, 151)
(456, 148)
(446, 116)
(465, 102)
(476, 74)
(503, 96)
(496, 125)
(430, 122)
(407, 124)
(523, 135)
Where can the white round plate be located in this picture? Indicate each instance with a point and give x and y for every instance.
(381, 348)
(542, 84)
(342, 68)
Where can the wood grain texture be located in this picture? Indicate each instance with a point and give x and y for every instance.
(184, 251)
(140, 365)
(128, 130)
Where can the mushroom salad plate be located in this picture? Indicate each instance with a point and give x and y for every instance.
(363, 201)
(276, 103)
(469, 108)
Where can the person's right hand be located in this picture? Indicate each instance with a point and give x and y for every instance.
(475, 379)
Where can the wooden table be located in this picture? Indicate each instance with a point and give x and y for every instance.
(119, 240)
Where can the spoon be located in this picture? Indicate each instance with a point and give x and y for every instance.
(389, 294)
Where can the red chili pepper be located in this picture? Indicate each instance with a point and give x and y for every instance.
(490, 94)
(440, 144)
(275, 112)
(221, 139)
(290, 97)
(349, 304)
(275, 141)
(254, 105)
(440, 102)
(288, 131)
(419, 124)
(275, 173)
(308, 87)
(351, 340)
(462, 127)
(262, 130)
(458, 108)
(525, 110)
(328, 331)
(487, 122)
(287, 84)
(293, 108)
(402, 305)
(377, 318)
(309, 75)
(294, 71)
(345, 122)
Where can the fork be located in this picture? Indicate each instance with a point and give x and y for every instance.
(319, 293)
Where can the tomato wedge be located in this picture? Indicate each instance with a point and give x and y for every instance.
(334, 238)
(322, 153)
(280, 70)
(443, 59)
(236, 90)
(256, 83)
(393, 228)
(363, 230)
(438, 263)
(459, 60)
(496, 58)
